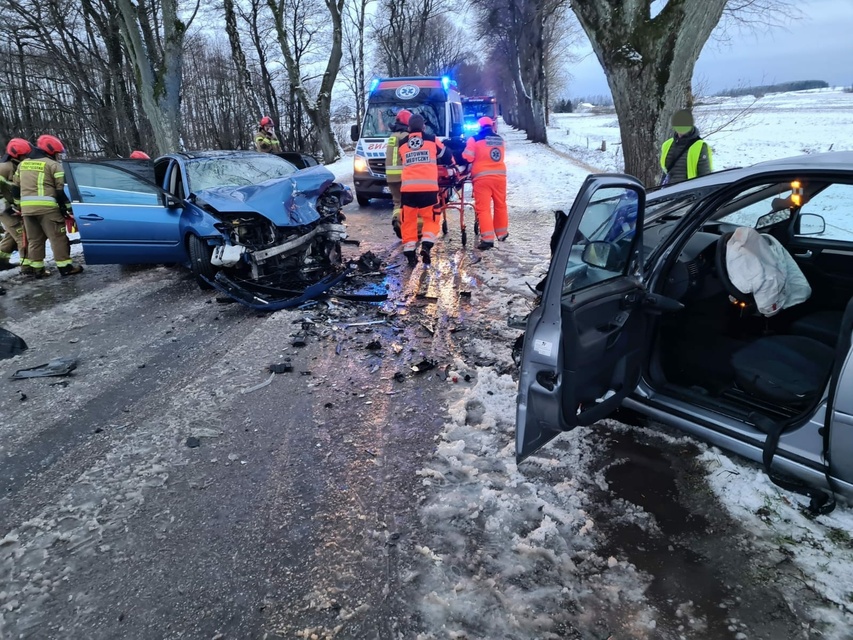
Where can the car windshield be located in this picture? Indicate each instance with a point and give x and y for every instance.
(235, 171)
(476, 110)
(379, 120)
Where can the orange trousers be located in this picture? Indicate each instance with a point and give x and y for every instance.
(409, 226)
(489, 189)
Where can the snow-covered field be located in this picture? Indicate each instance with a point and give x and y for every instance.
(741, 131)
(517, 551)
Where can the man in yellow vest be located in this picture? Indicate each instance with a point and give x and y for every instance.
(685, 155)
(394, 165)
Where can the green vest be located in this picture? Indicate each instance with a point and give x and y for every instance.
(693, 154)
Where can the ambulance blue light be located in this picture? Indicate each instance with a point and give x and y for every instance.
(374, 84)
(445, 82)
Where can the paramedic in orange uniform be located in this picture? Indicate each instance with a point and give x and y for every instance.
(419, 153)
(486, 152)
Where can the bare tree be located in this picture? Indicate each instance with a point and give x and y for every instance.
(154, 37)
(295, 30)
(239, 57)
(355, 60)
(649, 64)
(399, 31)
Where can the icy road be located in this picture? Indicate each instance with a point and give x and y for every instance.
(160, 492)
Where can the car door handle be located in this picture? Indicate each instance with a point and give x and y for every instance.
(91, 216)
(88, 194)
(806, 254)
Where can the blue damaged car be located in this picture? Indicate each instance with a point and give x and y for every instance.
(233, 217)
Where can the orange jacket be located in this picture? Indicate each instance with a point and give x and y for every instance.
(419, 153)
(486, 151)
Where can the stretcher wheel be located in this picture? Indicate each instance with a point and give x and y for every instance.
(444, 227)
(464, 237)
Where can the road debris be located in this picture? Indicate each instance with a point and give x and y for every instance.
(10, 344)
(281, 367)
(193, 442)
(56, 367)
(259, 386)
(374, 345)
(423, 366)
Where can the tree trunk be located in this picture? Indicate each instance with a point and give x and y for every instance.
(649, 66)
(239, 57)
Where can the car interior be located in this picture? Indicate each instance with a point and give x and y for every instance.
(719, 351)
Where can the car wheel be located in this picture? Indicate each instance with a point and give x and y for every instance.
(200, 261)
(363, 201)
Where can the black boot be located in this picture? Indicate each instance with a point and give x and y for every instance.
(411, 257)
(484, 246)
(426, 247)
(70, 270)
(41, 272)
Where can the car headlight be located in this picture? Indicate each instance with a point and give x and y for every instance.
(360, 164)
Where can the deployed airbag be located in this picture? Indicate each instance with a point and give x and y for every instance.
(759, 264)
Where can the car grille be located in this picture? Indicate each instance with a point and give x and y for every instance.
(377, 165)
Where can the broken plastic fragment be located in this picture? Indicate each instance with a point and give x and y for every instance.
(282, 367)
(423, 366)
(10, 344)
(56, 367)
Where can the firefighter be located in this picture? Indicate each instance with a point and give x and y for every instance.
(139, 155)
(393, 167)
(10, 217)
(486, 153)
(40, 182)
(419, 153)
(265, 139)
(685, 155)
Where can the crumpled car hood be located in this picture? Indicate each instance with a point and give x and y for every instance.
(286, 202)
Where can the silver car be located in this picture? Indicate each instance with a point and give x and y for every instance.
(638, 310)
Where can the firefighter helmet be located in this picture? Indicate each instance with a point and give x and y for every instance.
(139, 155)
(18, 148)
(403, 116)
(266, 121)
(486, 121)
(50, 145)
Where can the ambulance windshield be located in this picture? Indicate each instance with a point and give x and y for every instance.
(379, 120)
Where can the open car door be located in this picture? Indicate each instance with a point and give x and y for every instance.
(584, 345)
(123, 217)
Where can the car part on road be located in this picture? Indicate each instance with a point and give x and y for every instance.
(259, 386)
(10, 344)
(281, 367)
(56, 367)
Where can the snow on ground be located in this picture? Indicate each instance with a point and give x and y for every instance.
(515, 551)
(76, 252)
(776, 126)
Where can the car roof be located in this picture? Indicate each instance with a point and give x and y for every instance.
(832, 161)
(196, 155)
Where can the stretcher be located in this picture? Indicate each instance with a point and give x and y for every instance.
(456, 193)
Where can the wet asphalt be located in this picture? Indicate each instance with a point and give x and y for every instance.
(287, 516)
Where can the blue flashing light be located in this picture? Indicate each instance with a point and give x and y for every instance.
(374, 84)
(445, 82)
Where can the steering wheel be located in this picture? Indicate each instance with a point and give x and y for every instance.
(745, 300)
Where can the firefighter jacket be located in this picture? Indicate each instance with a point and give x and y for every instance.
(267, 142)
(486, 152)
(419, 153)
(7, 172)
(685, 157)
(393, 164)
(40, 180)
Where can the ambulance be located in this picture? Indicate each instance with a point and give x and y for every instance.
(436, 99)
(475, 108)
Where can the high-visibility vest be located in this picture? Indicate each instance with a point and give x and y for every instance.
(419, 153)
(393, 164)
(267, 142)
(486, 152)
(693, 154)
(40, 181)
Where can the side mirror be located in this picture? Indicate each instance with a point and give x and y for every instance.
(353, 133)
(172, 202)
(598, 254)
(810, 224)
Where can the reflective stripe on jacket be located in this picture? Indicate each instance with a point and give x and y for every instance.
(486, 151)
(393, 164)
(267, 142)
(419, 153)
(41, 182)
(692, 166)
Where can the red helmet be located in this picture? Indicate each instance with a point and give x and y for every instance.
(18, 148)
(50, 145)
(403, 116)
(266, 121)
(139, 155)
(486, 121)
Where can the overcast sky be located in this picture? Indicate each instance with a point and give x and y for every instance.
(816, 46)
